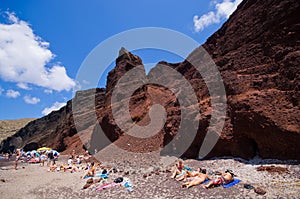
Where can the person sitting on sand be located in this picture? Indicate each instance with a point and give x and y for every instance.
(52, 167)
(179, 170)
(198, 179)
(78, 160)
(225, 178)
(91, 171)
(70, 162)
(86, 156)
(73, 154)
(73, 168)
(9, 155)
(18, 156)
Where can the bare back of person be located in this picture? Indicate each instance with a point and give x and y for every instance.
(225, 178)
(198, 179)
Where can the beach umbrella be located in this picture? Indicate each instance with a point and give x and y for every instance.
(33, 152)
(44, 149)
(55, 153)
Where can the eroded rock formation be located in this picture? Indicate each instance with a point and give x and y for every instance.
(257, 52)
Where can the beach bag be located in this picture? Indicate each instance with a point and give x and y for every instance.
(118, 180)
(104, 171)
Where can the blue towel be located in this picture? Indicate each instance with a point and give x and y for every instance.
(205, 181)
(104, 176)
(234, 182)
(187, 168)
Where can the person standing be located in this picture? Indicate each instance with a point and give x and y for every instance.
(18, 156)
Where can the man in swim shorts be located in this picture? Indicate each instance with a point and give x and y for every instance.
(225, 178)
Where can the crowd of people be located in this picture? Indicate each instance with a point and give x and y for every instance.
(199, 176)
(76, 163)
(35, 157)
(84, 163)
(92, 172)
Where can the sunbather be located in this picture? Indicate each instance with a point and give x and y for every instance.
(86, 156)
(188, 174)
(91, 171)
(178, 169)
(225, 178)
(70, 162)
(199, 177)
(52, 168)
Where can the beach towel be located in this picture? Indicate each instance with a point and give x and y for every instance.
(234, 182)
(104, 176)
(34, 160)
(86, 177)
(128, 186)
(181, 174)
(205, 181)
(100, 175)
(187, 168)
(107, 186)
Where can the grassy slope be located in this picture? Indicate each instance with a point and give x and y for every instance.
(10, 127)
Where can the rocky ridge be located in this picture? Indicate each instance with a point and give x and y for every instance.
(257, 52)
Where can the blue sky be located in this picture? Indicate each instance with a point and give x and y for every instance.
(43, 43)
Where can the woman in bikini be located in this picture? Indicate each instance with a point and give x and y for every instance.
(188, 174)
(198, 179)
(91, 171)
(225, 178)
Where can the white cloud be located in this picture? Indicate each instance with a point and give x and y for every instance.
(12, 94)
(55, 106)
(48, 91)
(23, 86)
(31, 100)
(24, 58)
(1, 90)
(85, 82)
(222, 11)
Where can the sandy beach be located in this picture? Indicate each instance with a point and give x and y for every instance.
(150, 178)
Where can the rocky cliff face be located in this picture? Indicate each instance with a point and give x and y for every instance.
(257, 52)
(57, 130)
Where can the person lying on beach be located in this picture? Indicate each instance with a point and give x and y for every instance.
(179, 169)
(91, 171)
(225, 178)
(198, 179)
(188, 174)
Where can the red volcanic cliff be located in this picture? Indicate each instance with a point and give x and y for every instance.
(257, 52)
